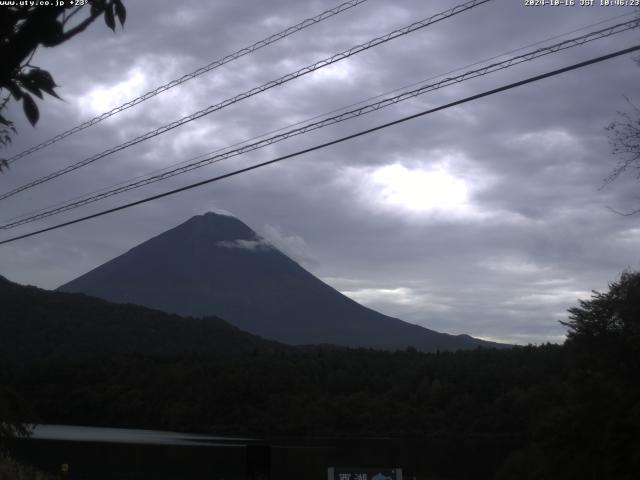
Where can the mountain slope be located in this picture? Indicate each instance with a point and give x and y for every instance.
(38, 323)
(216, 265)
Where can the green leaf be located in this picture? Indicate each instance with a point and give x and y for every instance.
(44, 81)
(42, 78)
(121, 12)
(30, 109)
(109, 18)
(32, 88)
(51, 92)
(13, 87)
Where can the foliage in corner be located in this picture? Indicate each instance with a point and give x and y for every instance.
(22, 30)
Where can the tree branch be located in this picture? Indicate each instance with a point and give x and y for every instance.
(623, 214)
(82, 26)
(67, 18)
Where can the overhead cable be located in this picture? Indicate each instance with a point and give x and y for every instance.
(189, 76)
(254, 91)
(540, 52)
(320, 115)
(332, 142)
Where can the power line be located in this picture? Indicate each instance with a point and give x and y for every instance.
(320, 115)
(308, 119)
(32, 213)
(479, 62)
(189, 76)
(469, 65)
(570, 43)
(333, 142)
(256, 90)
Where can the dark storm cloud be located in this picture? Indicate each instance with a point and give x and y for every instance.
(484, 219)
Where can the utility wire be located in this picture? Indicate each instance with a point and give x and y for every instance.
(479, 62)
(256, 90)
(321, 115)
(333, 142)
(185, 78)
(570, 43)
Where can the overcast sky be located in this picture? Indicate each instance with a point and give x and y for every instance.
(484, 219)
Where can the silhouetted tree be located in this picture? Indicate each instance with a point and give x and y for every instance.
(624, 137)
(615, 313)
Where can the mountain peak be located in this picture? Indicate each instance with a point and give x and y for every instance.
(214, 264)
(219, 212)
(214, 227)
(224, 230)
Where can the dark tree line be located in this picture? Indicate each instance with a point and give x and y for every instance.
(570, 411)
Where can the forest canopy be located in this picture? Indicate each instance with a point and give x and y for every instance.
(549, 411)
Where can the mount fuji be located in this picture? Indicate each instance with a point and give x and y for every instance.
(214, 264)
